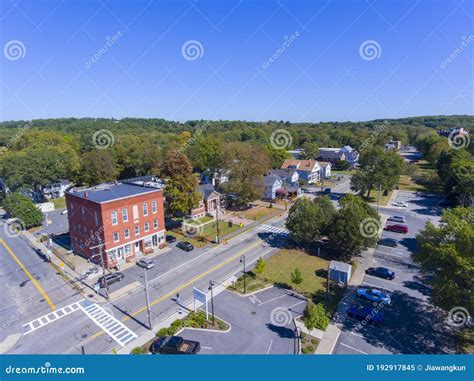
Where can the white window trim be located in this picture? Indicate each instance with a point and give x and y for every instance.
(126, 214)
(118, 236)
(112, 217)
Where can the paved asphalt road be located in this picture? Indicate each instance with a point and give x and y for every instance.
(260, 324)
(411, 324)
(70, 332)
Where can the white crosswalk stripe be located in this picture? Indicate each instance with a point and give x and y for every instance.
(273, 229)
(51, 317)
(114, 328)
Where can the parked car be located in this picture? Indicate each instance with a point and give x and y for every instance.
(170, 239)
(373, 294)
(64, 212)
(174, 345)
(364, 313)
(380, 272)
(110, 279)
(397, 228)
(184, 245)
(146, 263)
(388, 242)
(400, 219)
(400, 204)
(327, 190)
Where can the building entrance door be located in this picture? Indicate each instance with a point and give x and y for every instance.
(137, 247)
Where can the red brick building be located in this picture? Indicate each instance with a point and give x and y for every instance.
(127, 218)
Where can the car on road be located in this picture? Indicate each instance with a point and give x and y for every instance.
(388, 242)
(146, 263)
(170, 239)
(399, 219)
(381, 272)
(185, 245)
(397, 228)
(364, 313)
(110, 279)
(374, 295)
(174, 345)
(400, 204)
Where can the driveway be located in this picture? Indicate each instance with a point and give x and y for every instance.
(260, 324)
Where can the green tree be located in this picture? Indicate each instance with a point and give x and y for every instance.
(277, 156)
(181, 189)
(260, 266)
(296, 276)
(205, 153)
(23, 209)
(98, 166)
(315, 316)
(310, 151)
(447, 252)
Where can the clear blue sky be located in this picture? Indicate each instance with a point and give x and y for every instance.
(320, 76)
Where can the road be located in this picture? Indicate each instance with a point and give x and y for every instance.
(76, 331)
(412, 325)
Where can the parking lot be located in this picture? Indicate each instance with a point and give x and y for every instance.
(410, 323)
(260, 324)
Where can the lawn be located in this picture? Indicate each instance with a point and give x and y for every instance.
(383, 199)
(258, 213)
(59, 203)
(425, 179)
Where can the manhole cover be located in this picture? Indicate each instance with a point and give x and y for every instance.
(84, 336)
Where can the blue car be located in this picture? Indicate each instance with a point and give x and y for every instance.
(373, 295)
(364, 313)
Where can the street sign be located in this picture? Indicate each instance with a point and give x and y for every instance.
(200, 296)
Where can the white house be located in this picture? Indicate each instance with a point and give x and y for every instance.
(56, 189)
(325, 169)
(308, 170)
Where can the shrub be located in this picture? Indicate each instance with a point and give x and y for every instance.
(315, 316)
(296, 276)
(222, 326)
(260, 266)
(138, 351)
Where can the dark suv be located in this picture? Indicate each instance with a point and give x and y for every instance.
(174, 345)
(184, 245)
(110, 279)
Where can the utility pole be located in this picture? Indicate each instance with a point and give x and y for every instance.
(218, 235)
(145, 271)
(100, 246)
(378, 202)
(211, 285)
(242, 260)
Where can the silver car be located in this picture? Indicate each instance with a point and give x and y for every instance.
(146, 263)
(400, 219)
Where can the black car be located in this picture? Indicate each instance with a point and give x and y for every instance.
(380, 272)
(174, 345)
(388, 242)
(170, 239)
(110, 279)
(184, 245)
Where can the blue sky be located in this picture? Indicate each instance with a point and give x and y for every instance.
(322, 73)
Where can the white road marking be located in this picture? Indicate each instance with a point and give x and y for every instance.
(354, 349)
(46, 319)
(269, 347)
(271, 300)
(272, 229)
(206, 347)
(114, 328)
(382, 279)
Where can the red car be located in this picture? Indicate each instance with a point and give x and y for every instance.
(397, 228)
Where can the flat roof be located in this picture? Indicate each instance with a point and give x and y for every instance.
(111, 192)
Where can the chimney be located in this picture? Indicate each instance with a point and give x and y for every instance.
(86, 194)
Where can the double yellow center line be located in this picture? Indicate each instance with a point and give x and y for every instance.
(25, 270)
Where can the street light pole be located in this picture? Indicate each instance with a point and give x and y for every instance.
(242, 260)
(211, 285)
(378, 202)
(147, 298)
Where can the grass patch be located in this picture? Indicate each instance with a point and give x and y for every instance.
(258, 213)
(383, 198)
(254, 283)
(308, 344)
(59, 203)
(425, 179)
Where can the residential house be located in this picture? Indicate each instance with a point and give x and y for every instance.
(325, 169)
(216, 178)
(272, 184)
(393, 144)
(209, 203)
(308, 170)
(121, 220)
(352, 156)
(296, 153)
(332, 155)
(289, 176)
(56, 189)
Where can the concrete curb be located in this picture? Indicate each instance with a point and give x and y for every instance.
(9, 342)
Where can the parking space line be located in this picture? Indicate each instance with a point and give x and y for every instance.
(354, 349)
(271, 300)
(373, 285)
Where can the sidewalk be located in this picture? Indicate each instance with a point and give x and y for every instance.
(329, 339)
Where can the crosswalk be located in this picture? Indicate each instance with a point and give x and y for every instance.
(114, 328)
(273, 229)
(50, 318)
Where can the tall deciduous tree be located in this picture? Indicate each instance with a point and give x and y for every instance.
(22, 207)
(98, 166)
(181, 187)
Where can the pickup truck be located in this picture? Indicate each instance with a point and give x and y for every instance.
(174, 345)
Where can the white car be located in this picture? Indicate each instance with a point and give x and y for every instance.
(64, 212)
(400, 219)
(400, 204)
